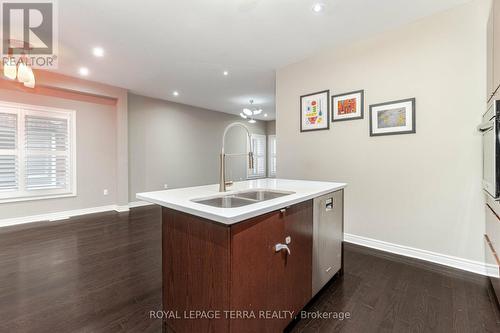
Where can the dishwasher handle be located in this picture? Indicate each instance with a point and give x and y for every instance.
(329, 204)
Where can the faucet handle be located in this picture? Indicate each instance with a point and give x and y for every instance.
(250, 160)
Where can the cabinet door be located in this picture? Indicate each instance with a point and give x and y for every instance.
(257, 273)
(496, 44)
(298, 265)
(489, 56)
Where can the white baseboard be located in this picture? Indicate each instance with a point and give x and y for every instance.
(57, 216)
(443, 259)
(54, 216)
(438, 258)
(492, 270)
(121, 209)
(135, 204)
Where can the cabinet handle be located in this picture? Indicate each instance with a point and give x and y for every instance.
(283, 210)
(279, 247)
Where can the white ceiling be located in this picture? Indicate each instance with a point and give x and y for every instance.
(156, 47)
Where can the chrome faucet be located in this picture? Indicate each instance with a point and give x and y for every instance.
(223, 183)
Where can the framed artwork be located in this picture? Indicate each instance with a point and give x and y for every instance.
(314, 111)
(348, 106)
(393, 118)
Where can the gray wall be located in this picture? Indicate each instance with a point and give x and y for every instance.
(96, 157)
(179, 145)
(271, 127)
(421, 190)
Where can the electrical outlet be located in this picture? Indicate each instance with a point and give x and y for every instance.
(105, 191)
(165, 186)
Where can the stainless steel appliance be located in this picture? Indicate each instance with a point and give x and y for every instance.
(490, 128)
(328, 235)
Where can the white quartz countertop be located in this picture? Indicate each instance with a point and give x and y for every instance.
(182, 199)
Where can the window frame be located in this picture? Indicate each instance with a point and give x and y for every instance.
(21, 110)
(269, 155)
(251, 175)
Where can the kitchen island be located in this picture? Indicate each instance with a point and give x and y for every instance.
(249, 259)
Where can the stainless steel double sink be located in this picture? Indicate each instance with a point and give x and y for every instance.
(242, 198)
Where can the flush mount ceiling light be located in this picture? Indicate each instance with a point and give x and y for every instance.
(318, 7)
(225, 73)
(175, 93)
(84, 71)
(250, 113)
(98, 52)
(265, 114)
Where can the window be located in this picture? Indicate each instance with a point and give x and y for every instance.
(36, 152)
(259, 156)
(271, 139)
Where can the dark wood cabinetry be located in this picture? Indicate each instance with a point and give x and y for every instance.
(236, 270)
(195, 263)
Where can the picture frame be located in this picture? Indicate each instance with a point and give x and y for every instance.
(315, 111)
(393, 118)
(348, 106)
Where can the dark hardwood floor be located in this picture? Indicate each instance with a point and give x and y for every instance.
(102, 273)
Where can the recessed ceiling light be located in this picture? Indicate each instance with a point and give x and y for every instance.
(225, 73)
(265, 114)
(175, 93)
(84, 71)
(318, 7)
(98, 51)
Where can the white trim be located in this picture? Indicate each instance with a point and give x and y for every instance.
(57, 216)
(443, 259)
(492, 270)
(121, 209)
(438, 258)
(269, 157)
(40, 197)
(135, 204)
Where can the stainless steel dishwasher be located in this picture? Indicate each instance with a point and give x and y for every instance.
(328, 235)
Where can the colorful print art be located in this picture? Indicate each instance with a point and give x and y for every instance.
(391, 118)
(314, 111)
(348, 106)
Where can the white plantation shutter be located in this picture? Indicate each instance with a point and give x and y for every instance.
(8, 131)
(259, 154)
(36, 152)
(272, 155)
(8, 152)
(47, 153)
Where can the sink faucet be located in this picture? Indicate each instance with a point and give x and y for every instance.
(223, 183)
